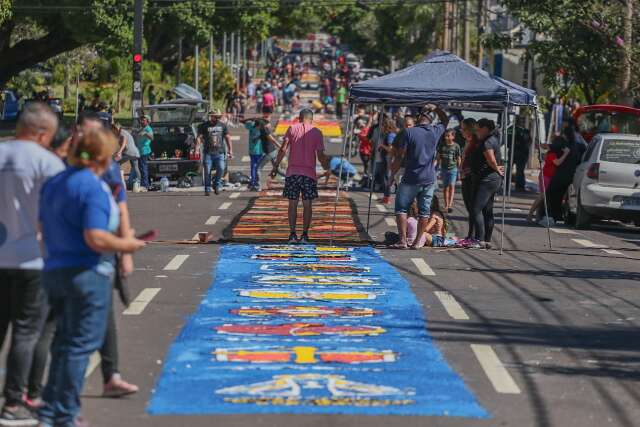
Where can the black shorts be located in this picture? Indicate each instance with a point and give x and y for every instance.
(296, 184)
(267, 109)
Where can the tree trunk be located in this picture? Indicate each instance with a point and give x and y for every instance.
(624, 95)
(445, 35)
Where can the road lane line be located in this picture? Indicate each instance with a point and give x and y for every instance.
(176, 262)
(451, 305)
(374, 197)
(245, 159)
(138, 305)
(94, 361)
(225, 206)
(423, 267)
(380, 207)
(494, 369)
(564, 231)
(614, 252)
(589, 244)
(211, 221)
(391, 222)
(234, 195)
(195, 237)
(235, 137)
(515, 210)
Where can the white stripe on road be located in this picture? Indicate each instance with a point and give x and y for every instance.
(515, 210)
(94, 361)
(494, 369)
(225, 206)
(381, 208)
(423, 267)
(374, 197)
(138, 305)
(563, 231)
(234, 195)
(196, 237)
(390, 222)
(235, 137)
(211, 221)
(176, 262)
(589, 244)
(613, 252)
(335, 140)
(454, 309)
(245, 159)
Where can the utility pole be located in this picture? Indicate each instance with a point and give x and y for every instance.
(196, 68)
(466, 31)
(445, 21)
(453, 25)
(179, 68)
(480, 26)
(224, 48)
(136, 98)
(211, 55)
(238, 57)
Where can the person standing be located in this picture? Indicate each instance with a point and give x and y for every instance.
(521, 149)
(304, 144)
(270, 145)
(255, 150)
(468, 128)
(214, 137)
(128, 152)
(25, 165)
(565, 171)
(418, 149)
(143, 142)
(341, 99)
(449, 155)
(79, 269)
(486, 178)
(384, 154)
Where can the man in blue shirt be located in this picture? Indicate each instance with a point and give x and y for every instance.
(418, 149)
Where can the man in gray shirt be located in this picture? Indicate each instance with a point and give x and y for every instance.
(25, 165)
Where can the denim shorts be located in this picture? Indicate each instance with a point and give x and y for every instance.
(421, 193)
(449, 177)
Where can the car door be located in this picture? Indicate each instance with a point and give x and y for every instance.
(619, 158)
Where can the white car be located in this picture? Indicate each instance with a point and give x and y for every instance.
(606, 184)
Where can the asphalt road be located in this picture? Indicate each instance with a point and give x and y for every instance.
(542, 336)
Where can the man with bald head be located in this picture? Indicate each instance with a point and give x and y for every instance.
(25, 164)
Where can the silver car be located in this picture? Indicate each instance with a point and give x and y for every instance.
(606, 184)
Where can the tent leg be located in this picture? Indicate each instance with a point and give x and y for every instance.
(511, 157)
(544, 190)
(335, 204)
(503, 132)
(373, 168)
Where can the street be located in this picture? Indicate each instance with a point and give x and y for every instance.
(550, 332)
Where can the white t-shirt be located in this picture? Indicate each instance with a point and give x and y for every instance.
(24, 168)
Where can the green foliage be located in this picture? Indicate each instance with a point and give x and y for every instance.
(27, 82)
(223, 79)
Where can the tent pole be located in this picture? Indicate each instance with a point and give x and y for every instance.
(373, 168)
(503, 137)
(349, 130)
(335, 204)
(544, 190)
(511, 157)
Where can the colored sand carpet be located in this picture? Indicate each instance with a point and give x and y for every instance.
(308, 330)
(329, 128)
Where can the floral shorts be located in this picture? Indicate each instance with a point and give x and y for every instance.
(294, 185)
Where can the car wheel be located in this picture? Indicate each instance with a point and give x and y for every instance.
(583, 219)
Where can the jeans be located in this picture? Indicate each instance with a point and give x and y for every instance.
(521, 181)
(134, 174)
(467, 198)
(144, 170)
(213, 161)
(482, 211)
(383, 178)
(23, 306)
(255, 162)
(269, 158)
(421, 193)
(81, 299)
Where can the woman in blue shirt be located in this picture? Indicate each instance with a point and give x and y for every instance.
(78, 217)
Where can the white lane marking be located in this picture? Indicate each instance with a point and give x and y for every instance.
(374, 197)
(390, 222)
(515, 210)
(564, 231)
(453, 307)
(138, 305)
(234, 195)
(381, 208)
(335, 140)
(211, 221)
(494, 369)
(195, 237)
(176, 262)
(589, 244)
(225, 206)
(94, 361)
(245, 159)
(423, 267)
(614, 252)
(235, 137)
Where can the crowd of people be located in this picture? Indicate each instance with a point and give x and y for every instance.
(65, 242)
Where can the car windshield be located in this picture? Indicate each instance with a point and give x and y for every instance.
(594, 122)
(170, 114)
(621, 151)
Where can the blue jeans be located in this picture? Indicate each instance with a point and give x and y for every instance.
(81, 299)
(213, 161)
(421, 193)
(143, 162)
(255, 161)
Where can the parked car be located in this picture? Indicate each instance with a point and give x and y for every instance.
(174, 125)
(369, 73)
(606, 184)
(606, 118)
(9, 105)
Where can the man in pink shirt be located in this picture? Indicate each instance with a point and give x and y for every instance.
(304, 142)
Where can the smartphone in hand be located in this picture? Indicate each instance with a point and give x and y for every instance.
(148, 236)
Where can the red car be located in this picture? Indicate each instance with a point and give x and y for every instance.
(607, 118)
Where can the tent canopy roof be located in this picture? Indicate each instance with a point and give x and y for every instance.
(442, 78)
